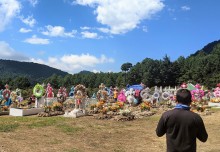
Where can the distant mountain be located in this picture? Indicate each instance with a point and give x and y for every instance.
(208, 48)
(34, 71)
(85, 72)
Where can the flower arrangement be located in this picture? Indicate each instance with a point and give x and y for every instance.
(4, 108)
(145, 106)
(104, 110)
(215, 100)
(114, 108)
(57, 106)
(100, 104)
(125, 112)
(93, 106)
(47, 108)
(120, 104)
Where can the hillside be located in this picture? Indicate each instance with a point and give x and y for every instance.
(208, 48)
(33, 71)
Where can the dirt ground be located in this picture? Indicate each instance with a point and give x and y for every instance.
(86, 134)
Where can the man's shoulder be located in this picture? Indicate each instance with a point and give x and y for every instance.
(178, 111)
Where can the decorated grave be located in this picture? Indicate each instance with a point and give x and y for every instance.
(80, 102)
(215, 97)
(125, 108)
(8, 99)
(25, 108)
(54, 106)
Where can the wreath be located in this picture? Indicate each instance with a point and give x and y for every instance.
(165, 96)
(156, 95)
(6, 94)
(38, 90)
(145, 95)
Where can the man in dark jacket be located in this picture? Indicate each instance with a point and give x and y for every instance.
(181, 126)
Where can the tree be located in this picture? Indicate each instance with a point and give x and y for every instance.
(20, 82)
(126, 67)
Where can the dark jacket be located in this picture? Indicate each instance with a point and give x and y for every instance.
(182, 127)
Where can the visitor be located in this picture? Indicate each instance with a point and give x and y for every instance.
(115, 94)
(181, 125)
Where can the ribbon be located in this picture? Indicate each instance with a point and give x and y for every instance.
(182, 106)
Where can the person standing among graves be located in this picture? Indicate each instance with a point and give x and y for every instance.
(182, 126)
(115, 94)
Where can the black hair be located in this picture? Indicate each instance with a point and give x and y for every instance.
(184, 96)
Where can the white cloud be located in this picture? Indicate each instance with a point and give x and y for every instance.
(104, 30)
(74, 63)
(35, 40)
(40, 61)
(89, 35)
(71, 63)
(28, 21)
(85, 59)
(55, 31)
(33, 2)
(185, 8)
(8, 10)
(85, 28)
(145, 28)
(96, 71)
(122, 16)
(24, 30)
(9, 53)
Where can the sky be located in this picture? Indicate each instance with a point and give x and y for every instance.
(101, 35)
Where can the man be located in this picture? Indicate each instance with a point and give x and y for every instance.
(181, 126)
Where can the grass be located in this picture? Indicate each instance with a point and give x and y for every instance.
(69, 129)
(42, 123)
(8, 127)
(119, 150)
(213, 109)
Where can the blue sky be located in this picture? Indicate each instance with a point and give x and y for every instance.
(101, 35)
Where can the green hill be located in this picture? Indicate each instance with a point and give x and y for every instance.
(208, 48)
(33, 71)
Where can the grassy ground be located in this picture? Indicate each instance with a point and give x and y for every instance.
(86, 134)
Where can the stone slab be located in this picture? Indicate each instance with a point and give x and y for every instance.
(24, 112)
(212, 104)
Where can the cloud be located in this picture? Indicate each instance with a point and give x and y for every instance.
(8, 10)
(71, 63)
(58, 31)
(104, 30)
(122, 16)
(96, 71)
(85, 28)
(28, 21)
(24, 30)
(185, 8)
(74, 63)
(33, 2)
(89, 35)
(35, 40)
(9, 53)
(145, 28)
